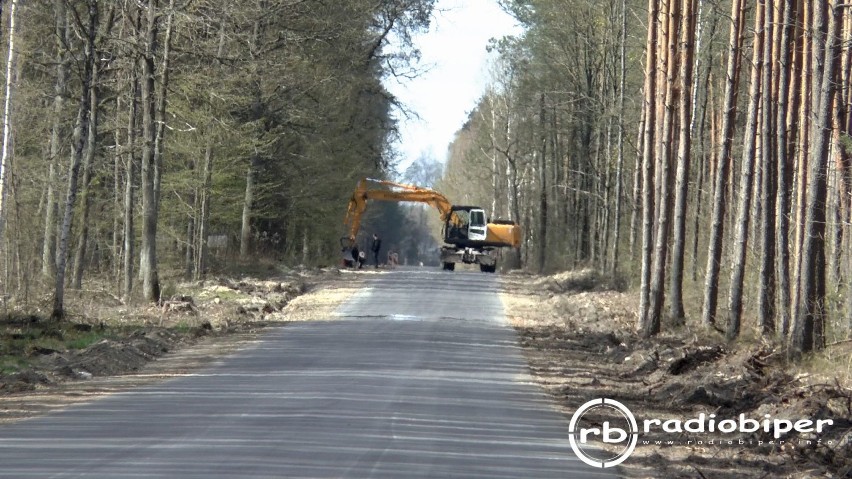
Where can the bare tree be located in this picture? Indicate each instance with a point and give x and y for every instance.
(664, 174)
(729, 112)
(48, 257)
(746, 171)
(89, 160)
(806, 107)
(248, 203)
(542, 178)
(148, 258)
(129, 179)
(85, 193)
(808, 322)
(7, 115)
(206, 191)
(767, 194)
(79, 141)
(684, 153)
(648, 149)
(619, 167)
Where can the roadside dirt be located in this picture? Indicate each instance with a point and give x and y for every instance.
(578, 337)
(134, 346)
(576, 332)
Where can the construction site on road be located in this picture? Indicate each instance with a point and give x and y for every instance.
(470, 237)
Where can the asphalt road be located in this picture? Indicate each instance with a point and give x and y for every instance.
(418, 377)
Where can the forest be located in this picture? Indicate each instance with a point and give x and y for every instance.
(695, 151)
(161, 139)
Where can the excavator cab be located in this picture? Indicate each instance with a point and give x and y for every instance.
(471, 225)
(477, 227)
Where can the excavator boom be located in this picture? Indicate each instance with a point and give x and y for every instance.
(399, 192)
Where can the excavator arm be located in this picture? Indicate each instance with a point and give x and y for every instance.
(394, 192)
(468, 236)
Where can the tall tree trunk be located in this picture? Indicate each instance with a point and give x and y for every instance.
(160, 114)
(542, 178)
(767, 233)
(130, 165)
(148, 253)
(555, 141)
(76, 159)
(683, 159)
(207, 185)
(495, 172)
(648, 149)
(738, 253)
(664, 162)
(48, 252)
(48, 255)
(794, 24)
(129, 184)
(594, 206)
(204, 219)
(846, 200)
(782, 200)
(189, 252)
(116, 199)
(729, 108)
(704, 170)
(808, 323)
(7, 114)
(619, 166)
(606, 184)
(88, 163)
(192, 220)
(636, 198)
(839, 168)
(514, 204)
(248, 203)
(806, 109)
(85, 193)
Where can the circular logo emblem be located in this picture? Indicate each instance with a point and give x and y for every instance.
(603, 433)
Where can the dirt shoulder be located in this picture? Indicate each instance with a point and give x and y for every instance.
(578, 337)
(46, 366)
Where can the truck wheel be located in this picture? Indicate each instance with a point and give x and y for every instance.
(449, 266)
(488, 269)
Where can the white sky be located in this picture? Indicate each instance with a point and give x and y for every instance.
(454, 48)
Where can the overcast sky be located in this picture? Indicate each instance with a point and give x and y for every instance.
(454, 48)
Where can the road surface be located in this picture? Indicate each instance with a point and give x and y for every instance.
(418, 377)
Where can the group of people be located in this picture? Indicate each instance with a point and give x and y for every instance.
(358, 257)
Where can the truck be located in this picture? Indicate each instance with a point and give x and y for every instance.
(469, 236)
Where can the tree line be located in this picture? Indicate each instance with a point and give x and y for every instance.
(715, 134)
(136, 131)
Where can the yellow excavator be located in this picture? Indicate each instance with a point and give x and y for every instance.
(468, 235)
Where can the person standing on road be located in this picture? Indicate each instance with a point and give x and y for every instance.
(377, 246)
(355, 255)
